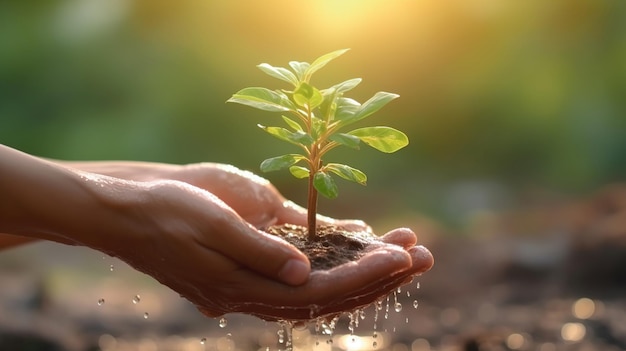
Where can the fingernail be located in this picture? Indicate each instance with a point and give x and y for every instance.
(295, 272)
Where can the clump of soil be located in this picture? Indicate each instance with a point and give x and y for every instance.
(331, 247)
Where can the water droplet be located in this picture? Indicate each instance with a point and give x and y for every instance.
(375, 335)
(111, 268)
(202, 341)
(415, 304)
(223, 322)
(397, 307)
(417, 285)
(229, 335)
(387, 308)
(136, 299)
(146, 315)
(281, 336)
(100, 302)
(375, 344)
(399, 290)
(408, 293)
(406, 320)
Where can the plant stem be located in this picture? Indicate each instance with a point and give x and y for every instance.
(312, 210)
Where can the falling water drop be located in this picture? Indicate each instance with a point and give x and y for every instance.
(397, 306)
(281, 336)
(100, 302)
(374, 344)
(415, 304)
(136, 299)
(408, 293)
(399, 290)
(202, 341)
(387, 308)
(223, 322)
(146, 315)
(406, 320)
(111, 268)
(417, 285)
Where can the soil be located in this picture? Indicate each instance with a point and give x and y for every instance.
(332, 246)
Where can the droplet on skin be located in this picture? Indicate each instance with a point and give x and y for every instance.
(223, 322)
(136, 299)
(100, 302)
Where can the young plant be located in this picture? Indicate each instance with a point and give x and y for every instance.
(315, 120)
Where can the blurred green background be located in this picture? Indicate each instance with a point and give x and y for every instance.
(503, 101)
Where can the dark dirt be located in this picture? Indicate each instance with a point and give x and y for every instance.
(332, 247)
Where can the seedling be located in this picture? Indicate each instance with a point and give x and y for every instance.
(315, 120)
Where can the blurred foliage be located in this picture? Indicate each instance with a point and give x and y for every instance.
(517, 94)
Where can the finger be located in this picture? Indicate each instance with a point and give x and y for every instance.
(361, 296)
(402, 237)
(336, 283)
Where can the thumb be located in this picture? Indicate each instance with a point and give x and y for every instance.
(262, 252)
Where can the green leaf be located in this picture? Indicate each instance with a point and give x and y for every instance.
(321, 62)
(281, 162)
(293, 124)
(328, 108)
(346, 86)
(325, 184)
(346, 140)
(346, 108)
(263, 99)
(374, 104)
(347, 172)
(385, 139)
(280, 73)
(307, 95)
(299, 172)
(300, 68)
(298, 138)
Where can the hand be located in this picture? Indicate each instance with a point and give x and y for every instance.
(254, 198)
(327, 293)
(226, 285)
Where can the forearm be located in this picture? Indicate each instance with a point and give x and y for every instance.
(43, 200)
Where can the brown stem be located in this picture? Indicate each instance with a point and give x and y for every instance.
(312, 209)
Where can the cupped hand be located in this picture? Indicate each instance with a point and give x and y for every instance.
(208, 246)
(388, 265)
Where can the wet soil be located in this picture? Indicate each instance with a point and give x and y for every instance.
(332, 246)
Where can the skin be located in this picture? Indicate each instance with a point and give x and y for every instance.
(195, 228)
